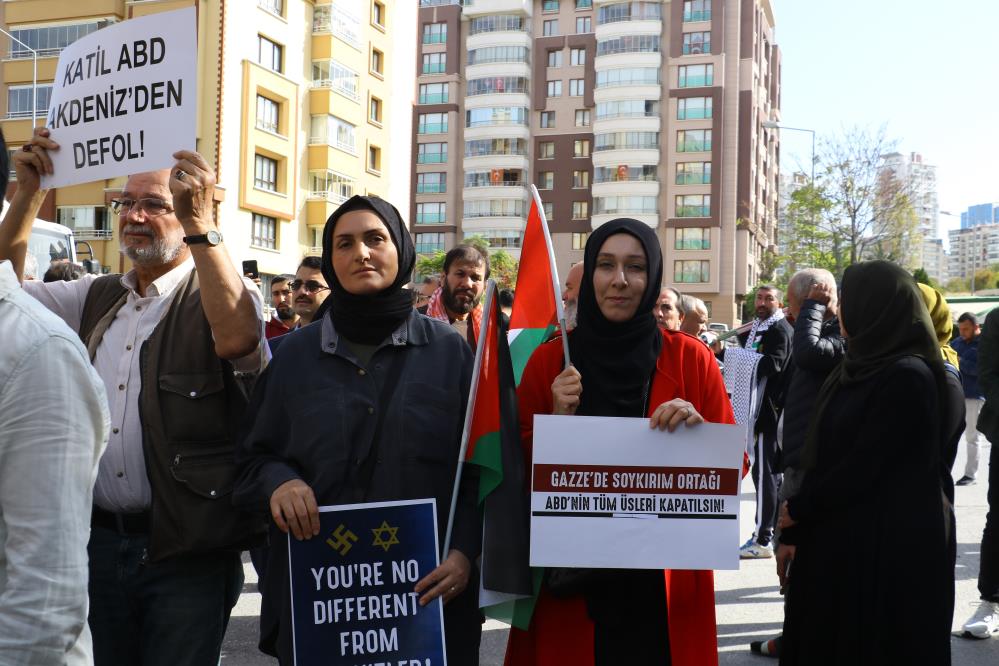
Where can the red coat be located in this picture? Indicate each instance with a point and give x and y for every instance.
(561, 631)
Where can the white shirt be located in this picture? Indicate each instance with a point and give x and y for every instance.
(53, 428)
(122, 483)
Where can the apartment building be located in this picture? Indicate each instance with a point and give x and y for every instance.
(651, 110)
(293, 112)
(972, 249)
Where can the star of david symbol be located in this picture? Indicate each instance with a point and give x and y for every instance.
(380, 539)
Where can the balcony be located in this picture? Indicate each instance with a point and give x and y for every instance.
(337, 86)
(431, 218)
(431, 188)
(432, 128)
(327, 195)
(333, 19)
(473, 8)
(693, 211)
(429, 248)
(431, 158)
(433, 98)
(694, 17)
(693, 178)
(90, 234)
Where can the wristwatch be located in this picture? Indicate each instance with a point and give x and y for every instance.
(212, 238)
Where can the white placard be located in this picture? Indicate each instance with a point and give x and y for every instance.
(612, 493)
(124, 99)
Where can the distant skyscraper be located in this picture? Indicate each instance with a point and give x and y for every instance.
(647, 110)
(986, 213)
(921, 179)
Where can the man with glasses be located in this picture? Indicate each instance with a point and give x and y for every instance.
(308, 289)
(167, 339)
(284, 318)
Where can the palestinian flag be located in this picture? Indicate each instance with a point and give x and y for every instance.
(494, 445)
(537, 305)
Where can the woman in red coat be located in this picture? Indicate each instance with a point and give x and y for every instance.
(623, 365)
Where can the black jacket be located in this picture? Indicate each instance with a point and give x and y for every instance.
(816, 348)
(775, 345)
(314, 413)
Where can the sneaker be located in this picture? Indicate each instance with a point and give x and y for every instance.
(965, 481)
(751, 550)
(770, 648)
(984, 622)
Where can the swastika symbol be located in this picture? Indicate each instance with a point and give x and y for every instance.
(344, 540)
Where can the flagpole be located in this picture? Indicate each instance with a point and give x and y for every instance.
(469, 410)
(559, 312)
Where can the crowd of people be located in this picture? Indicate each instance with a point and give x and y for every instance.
(200, 428)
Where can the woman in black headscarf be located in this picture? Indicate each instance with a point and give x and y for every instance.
(872, 580)
(363, 405)
(623, 365)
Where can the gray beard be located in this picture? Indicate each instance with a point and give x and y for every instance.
(159, 252)
(569, 311)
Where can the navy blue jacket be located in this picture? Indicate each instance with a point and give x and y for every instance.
(968, 353)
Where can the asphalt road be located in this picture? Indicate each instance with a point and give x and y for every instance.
(748, 605)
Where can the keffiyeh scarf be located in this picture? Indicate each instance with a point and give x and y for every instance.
(435, 310)
(756, 332)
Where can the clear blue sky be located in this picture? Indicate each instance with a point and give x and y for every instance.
(929, 70)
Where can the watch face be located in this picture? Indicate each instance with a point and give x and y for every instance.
(214, 237)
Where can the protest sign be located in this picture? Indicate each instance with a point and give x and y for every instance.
(352, 597)
(613, 493)
(124, 99)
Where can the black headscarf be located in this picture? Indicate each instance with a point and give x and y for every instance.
(616, 360)
(369, 319)
(884, 314)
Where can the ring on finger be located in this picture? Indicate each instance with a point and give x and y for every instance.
(180, 175)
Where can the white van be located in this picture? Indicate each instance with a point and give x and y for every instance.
(49, 242)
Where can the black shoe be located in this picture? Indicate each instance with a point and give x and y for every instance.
(770, 648)
(965, 481)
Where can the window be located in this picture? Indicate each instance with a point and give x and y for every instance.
(431, 213)
(431, 183)
(500, 238)
(626, 141)
(19, 100)
(378, 62)
(580, 178)
(339, 77)
(582, 117)
(431, 153)
(431, 123)
(628, 76)
(481, 147)
(577, 57)
(693, 205)
(495, 178)
(549, 208)
(50, 41)
(576, 87)
(434, 63)
(693, 108)
(584, 4)
(496, 23)
(546, 180)
(693, 141)
(265, 173)
(549, 6)
(631, 108)
(550, 28)
(579, 238)
(375, 110)
(691, 271)
(696, 10)
(696, 76)
(693, 238)
(269, 53)
(554, 88)
(498, 54)
(496, 85)
(264, 232)
(494, 208)
(624, 172)
(433, 93)
(273, 6)
(624, 204)
(546, 150)
(584, 24)
(497, 115)
(693, 173)
(378, 14)
(629, 11)
(83, 217)
(335, 18)
(554, 58)
(629, 44)
(695, 43)
(429, 243)
(547, 119)
(330, 185)
(581, 148)
(434, 33)
(374, 159)
(333, 131)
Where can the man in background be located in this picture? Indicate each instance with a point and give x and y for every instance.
(309, 290)
(458, 300)
(966, 346)
(285, 318)
(571, 293)
(667, 310)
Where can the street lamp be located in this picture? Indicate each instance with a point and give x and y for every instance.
(772, 124)
(34, 78)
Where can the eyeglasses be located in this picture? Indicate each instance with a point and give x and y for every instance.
(310, 286)
(150, 207)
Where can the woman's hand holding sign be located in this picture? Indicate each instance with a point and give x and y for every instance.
(446, 581)
(671, 414)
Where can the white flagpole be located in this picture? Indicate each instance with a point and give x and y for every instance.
(480, 347)
(557, 284)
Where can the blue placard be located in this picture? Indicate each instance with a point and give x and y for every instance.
(352, 597)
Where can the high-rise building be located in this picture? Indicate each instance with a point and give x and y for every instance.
(986, 213)
(973, 249)
(651, 110)
(920, 182)
(293, 112)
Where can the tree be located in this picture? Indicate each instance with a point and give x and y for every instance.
(923, 277)
(808, 238)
